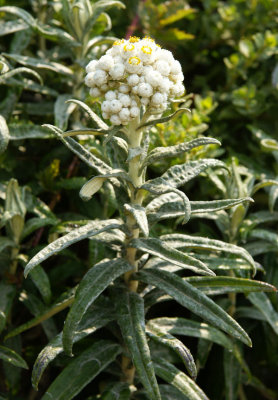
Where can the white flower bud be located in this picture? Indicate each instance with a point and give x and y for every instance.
(164, 85)
(89, 79)
(105, 115)
(106, 106)
(124, 114)
(165, 55)
(91, 66)
(115, 106)
(124, 88)
(104, 87)
(145, 90)
(110, 95)
(154, 78)
(125, 100)
(163, 67)
(133, 103)
(133, 80)
(134, 112)
(115, 120)
(117, 72)
(95, 92)
(106, 62)
(175, 67)
(177, 90)
(157, 98)
(135, 89)
(100, 77)
(145, 101)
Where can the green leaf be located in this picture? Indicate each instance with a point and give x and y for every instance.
(216, 285)
(12, 357)
(171, 393)
(194, 300)
(41, 281)
(28, 131)
(198, 207)
(89, 364)
(159, 186)
(139, 214)
(264, 183)
(94, 117)
(160, 249)
(84, 232)
(42, 313)
(96, 280)
(178, 379)
(131, 318)
(16, 71)
(232, 372)
(62, 111)
(8, 27)
(178, 15)
(118, 391)
(56, 34)
(162, 120)
(7, 294)
(84, 131)
(19, 12)
(40, 63)
(178, 175)
(91, 160)
(93, 320)
(35, 223)
(181, 241)
(5, 242)
(187, 327)
(4, 134)
(173, 151)
(173, 343)
(263, 304)
(273, 195)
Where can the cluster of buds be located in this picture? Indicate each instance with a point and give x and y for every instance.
(134, 73)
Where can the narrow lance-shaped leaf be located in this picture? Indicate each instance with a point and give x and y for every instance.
(181, 241)
(86, 231)
(62, 111)
(12, 357)
(7, 294)
(131, 318)
(262, 303)
(89, 364)
(173, 343)
(178, 175)
(96, 280)
(91, 321)
(118, 391)
(195, 301)
(163, 119)
(21, 13)
(178, 379)
(160, 249)
(139, 214)
(226, 284)
(4, 134)
(160, 153)
(100, 124)
(16, 71)
(91, 160)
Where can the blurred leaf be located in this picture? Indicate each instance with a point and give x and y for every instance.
(263, 304)
(7, 294)
(12, 357)
(4, 134)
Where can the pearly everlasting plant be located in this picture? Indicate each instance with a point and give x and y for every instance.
(134, 80)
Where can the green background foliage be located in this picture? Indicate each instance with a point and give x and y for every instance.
(228, 51)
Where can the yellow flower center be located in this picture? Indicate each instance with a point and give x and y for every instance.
(118, 42)
(146, 49)
(134, 60)
(129, 47)
(134, 39)
(149, 38)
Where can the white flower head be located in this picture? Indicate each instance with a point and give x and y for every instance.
(134, 73)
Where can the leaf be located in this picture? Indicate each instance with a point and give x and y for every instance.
(89, 364)
(92, 320)
(163, 119)
(4, 134)
(178, 379)
(12, 357)
(41, 281)
(187, 327)
(216, 285)
(56, 34)
(264, 183)
(84, 232)
(173, 151)
(194, 300)
(232, 373)
(263, 304)
(20, 13)
(91, 160)
(118, 391)
(131, 318)
(160, 249)
(166, 206)
(5, 242)
(7, 294)
(95, 281)
(62, 111)
(94, 117)
(178, 175)
(178, 15)
(181, 241)
(35, 223)
(173, 343)
(8, 75)
(216, 205)
(273, 195)
(171, 393)
(40, 63)
(139, 214)
(84, 131)
(28, 131)
(8, 27)
(42, 313)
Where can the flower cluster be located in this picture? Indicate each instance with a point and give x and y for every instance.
(134, 73)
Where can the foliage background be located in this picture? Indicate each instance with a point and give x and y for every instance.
(228, 50)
